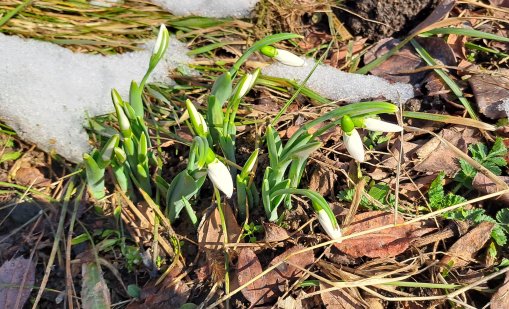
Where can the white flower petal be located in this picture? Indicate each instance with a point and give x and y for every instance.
(325, 222)
(354, 145)
(373, 124)
(220, 176)
(288, 58)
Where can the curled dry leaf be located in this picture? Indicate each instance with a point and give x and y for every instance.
(271, 285)
(385, 243)
(500, 300)
(341, 298)
(17, 276)
(464, 249)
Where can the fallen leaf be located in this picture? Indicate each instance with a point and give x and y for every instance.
(248, 267)
(457, 44)
(286, 271)
(210, 231)
(31, 176)
(402, 66)
(17, 276)
(210, 239)
(94, 290)
(464, 249)
(500, 300)
(340, 298)
(385, 243)
(390, 69)
(272, 284)
(439, 13)
(489, 91)
(436, 156)
(170, 293)
(486, 186)
(274, 233)
(322, 180)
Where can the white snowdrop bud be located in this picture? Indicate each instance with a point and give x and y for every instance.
(328, 226)
(354, 145)
(373, 124)
(220, 176)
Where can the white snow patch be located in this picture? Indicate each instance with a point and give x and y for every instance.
(47, 90)
(337, 85)
(208, 8)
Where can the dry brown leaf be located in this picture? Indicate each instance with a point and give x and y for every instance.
(322, 180)
(248, 267)
(385, 243)
(390, 69)
(28, 176)
(486, 186)
(457, 44)
(210, 231)
(435, 156)
(170, 293)
(17, 276)
(500, 300)
(401, 66)
(464, 249)
(271, 285)
(274, 233)
(340, 299)
(440, 11)
(489, 91)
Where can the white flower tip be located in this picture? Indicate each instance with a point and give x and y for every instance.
(325, 222)
(373, 124)
(220, 176)
(288, 58)
(354, 145)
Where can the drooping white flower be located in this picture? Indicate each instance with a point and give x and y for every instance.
(283, 56)
(354, 145)
(373, 124)
(328, 226)
(220, 176)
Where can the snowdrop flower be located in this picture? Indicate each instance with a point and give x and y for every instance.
(220, 176)
(248, 82)
(197, 120)
(283, 56)
(334, 232)
(373, 124)
(352, 139)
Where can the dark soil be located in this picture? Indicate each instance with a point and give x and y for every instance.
(381, 19)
